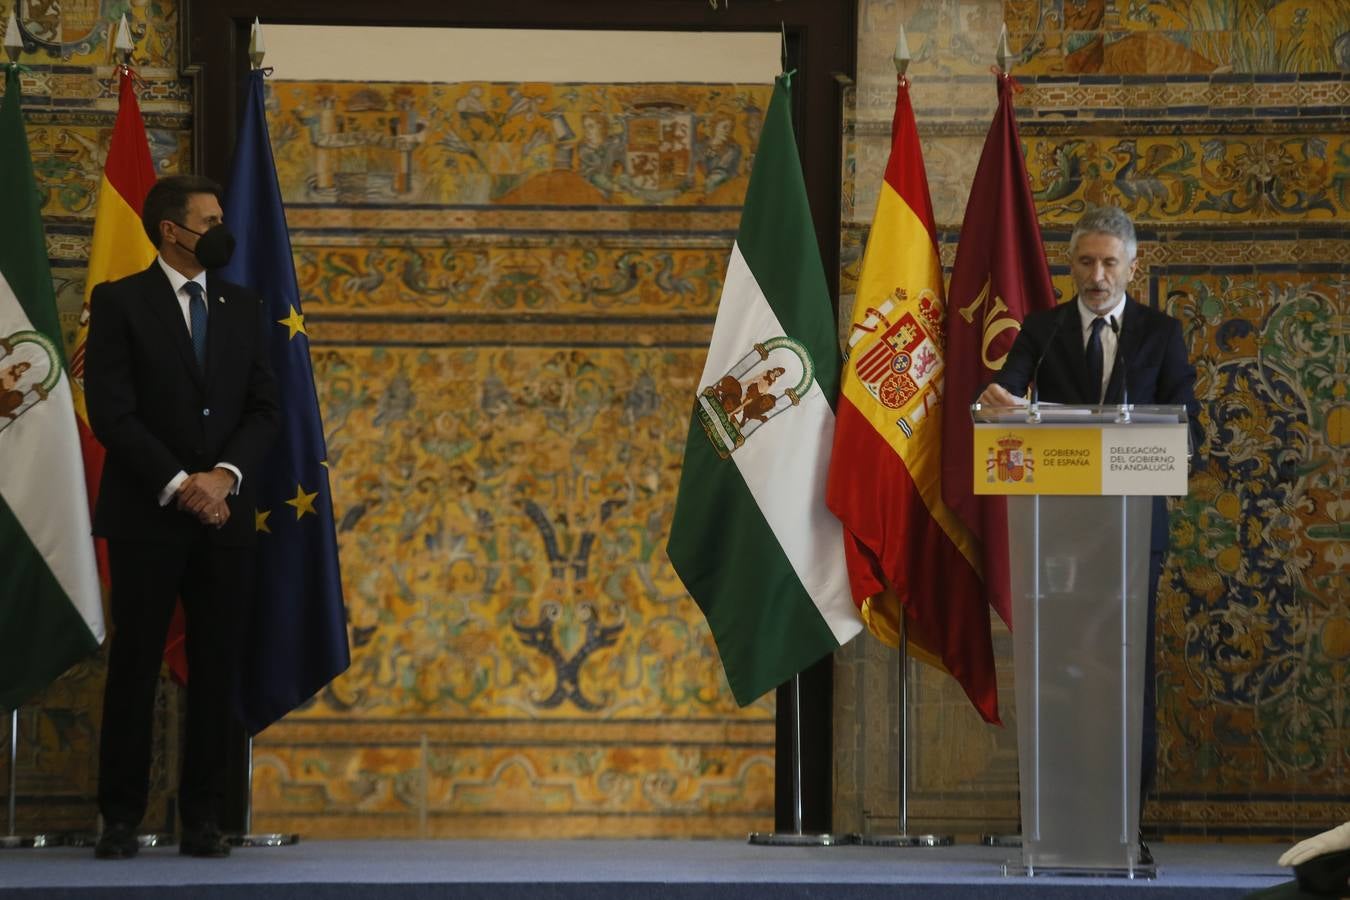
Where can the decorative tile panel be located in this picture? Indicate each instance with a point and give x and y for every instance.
(1220, 125)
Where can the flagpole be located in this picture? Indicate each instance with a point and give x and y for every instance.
(796, 837)
(12, 841)
(13, 766)
(124, 48)
(256, 51)
(13, 47)
(901, 837)
(248, 838)
(1004, 58)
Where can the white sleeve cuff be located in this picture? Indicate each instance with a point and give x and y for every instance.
(172, 488)
(238, 476)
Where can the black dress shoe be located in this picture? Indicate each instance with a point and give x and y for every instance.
(1145, 855)
(206, 841)
(118, 841)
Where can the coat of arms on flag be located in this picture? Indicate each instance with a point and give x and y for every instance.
(744, 399)
(29, 369)
(897, 355)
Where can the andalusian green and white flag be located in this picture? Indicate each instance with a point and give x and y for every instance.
(752, 539)
(51, 612)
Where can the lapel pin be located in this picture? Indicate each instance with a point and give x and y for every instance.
(220, 299)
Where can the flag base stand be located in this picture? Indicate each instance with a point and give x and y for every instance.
(792, 839)
(154, 839)
(262, 839)
(796, 837)
(275, 839)
(904, 840)
(12, 841)
(30, 841)
(146, 841)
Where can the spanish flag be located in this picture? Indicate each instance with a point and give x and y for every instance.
(907, 553)
(120, 247)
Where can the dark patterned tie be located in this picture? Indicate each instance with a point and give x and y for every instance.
(197, 313)
(1093, 355)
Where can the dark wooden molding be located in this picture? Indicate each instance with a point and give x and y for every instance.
(821, 39)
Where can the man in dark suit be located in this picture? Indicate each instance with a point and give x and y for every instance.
(181, 395)
(1106, 348)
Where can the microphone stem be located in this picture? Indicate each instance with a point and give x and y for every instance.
(1124, 372)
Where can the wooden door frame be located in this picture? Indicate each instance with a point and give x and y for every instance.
(821, 38)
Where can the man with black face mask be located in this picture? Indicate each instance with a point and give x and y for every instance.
(181, 395)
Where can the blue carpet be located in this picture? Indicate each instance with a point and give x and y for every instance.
(612, 870)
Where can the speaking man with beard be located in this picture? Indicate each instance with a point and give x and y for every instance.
(181, 395)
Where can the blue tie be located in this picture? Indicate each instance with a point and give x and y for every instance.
(1094, 360)
(197, 314)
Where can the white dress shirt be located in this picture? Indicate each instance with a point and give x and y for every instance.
(1086, 316)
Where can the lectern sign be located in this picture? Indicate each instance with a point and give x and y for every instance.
(1089, 460)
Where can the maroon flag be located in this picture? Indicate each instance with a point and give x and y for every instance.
(999, 276)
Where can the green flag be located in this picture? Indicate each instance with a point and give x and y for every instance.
(752, 539)
(51, 612)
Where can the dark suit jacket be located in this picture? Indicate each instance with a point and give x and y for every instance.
(157, 413)
(1150, 352)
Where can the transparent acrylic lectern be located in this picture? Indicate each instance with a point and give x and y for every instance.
(1079, 482)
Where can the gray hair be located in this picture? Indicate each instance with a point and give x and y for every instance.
(1110, 220)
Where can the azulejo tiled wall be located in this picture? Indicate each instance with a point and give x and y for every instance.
(1220, 125)
(70, 103)
(509, 290)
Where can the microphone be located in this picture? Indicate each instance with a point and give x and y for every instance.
(1035, 408)
(1124, 370)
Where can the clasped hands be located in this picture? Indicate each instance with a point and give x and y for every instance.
(203, 495)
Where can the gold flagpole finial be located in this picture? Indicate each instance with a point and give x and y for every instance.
(901, 56)
(256, 49)
(1004, 57)
(13, 40)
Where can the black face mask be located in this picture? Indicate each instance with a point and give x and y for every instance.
(214, 247)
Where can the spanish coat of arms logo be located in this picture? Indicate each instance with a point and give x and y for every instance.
(896, 354)
(1009, 462)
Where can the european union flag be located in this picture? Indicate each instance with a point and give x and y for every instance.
(296, 637)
